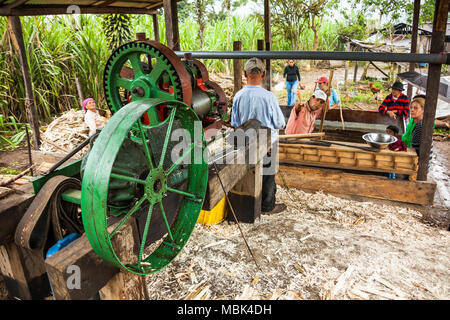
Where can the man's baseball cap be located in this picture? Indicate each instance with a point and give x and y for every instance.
(322, 79)
(319, 94)
(254, 66)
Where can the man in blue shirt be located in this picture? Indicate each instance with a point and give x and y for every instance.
(255, 102)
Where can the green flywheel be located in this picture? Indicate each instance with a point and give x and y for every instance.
(135, 171)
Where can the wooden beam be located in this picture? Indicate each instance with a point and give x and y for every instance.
(260, 46)
(237, 68)
(156, 27)
(12, 209)
(171, 19)
(433, 81)
(15, 30)
(415, 31)
(13, 273)
(370, 186)
(40, 10)
(268, 39)
(376, 67)
(125, 285)
(94, 272)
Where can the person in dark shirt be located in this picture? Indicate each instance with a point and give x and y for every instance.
(396, 104)
(398, 145)
(292, 76)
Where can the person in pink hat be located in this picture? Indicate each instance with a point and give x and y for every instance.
(333, 97)
(92, 118)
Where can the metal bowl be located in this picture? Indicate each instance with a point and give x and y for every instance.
(379, 140)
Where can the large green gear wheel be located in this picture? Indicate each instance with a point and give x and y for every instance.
(148, 185)
(145, 69)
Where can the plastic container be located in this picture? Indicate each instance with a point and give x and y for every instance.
(61, 244)
(216, 215)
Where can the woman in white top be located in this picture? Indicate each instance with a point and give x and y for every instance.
(92, 118)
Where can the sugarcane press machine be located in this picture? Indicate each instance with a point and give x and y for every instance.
(133, 168)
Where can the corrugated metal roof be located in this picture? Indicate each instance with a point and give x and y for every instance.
(38, 7)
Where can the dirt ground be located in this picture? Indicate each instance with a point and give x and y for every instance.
(321, 247)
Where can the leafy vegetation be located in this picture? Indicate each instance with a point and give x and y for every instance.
(65, 49)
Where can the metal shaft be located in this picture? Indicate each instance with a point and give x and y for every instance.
(437, 58)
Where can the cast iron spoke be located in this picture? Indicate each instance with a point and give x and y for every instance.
(176, 163)
(126, 178)
(168, 134)
(136, 206)
(136, 63)
(164, 94)
(163, 213)
(157, 71)
(144, 142)
(187, 194)
(122, 171)
(144, 235)
(123, 83)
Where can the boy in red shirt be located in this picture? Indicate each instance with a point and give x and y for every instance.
(398, 145)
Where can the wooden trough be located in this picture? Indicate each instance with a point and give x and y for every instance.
(352, 172)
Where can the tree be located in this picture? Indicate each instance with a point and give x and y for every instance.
(393, 10)
(201, 9)
(117, 28)
(288, 18)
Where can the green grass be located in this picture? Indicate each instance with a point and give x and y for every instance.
(9, 171)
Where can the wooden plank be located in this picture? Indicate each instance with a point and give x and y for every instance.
(339, 182)
(12, 209)
(350, 158)
(245, 197)
(302, 135)
(125, 285)
(231, 174)
(13, 272)
(94, 272)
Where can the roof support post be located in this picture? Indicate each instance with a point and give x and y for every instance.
(433, 81)
(15, 30)
(171, 19)
(268, 39)
(415, 30)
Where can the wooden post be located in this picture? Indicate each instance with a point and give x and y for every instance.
(156, 27)
(415, 30)
(171, 19)
(268, 39)
(237, 68)
(15, 30)
(346, 75)
(245, 197)
(433, 81)
(356, 71)
(260, 46)
(125, 285)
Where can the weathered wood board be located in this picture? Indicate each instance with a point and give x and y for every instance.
(370, 186)
(336, 156)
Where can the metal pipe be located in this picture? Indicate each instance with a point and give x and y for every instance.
(436, 58)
